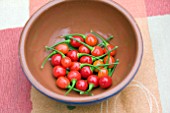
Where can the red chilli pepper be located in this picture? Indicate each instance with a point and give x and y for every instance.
(105, 82)
(65, 61)
(93, 81)
(75, 66)
(75, 43)
(56, 59)
(86, 71)
(111, 60)
(95, 51)
(106, 44)
(64, 83)
(68, 41)
(59, 71)
(83, 49)
(91, 40)
(82, 85)
(62, 48)
(74, 55)
(73, 76)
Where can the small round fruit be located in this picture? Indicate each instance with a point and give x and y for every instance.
(105, 82)
(93, 79)
(97, 51)
(62, 82)
(91, 40)
(86, 72)
(111, 61)
(59, 71)
(75, 66)
(109, 47)
(84, 49)
(66, 62)
(56, 59)
(74, 43)
(98, 62)
(62, 48)
(74, 75)
(82, 85)
(103, 72)
(86, 59)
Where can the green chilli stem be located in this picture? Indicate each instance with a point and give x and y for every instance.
(109, 70)
(97, 66)
(66, 41)
(46, 59)
(107, 52)
(99, 36)
(114, 67)
(75, 34)
(50, 48)
(84, 54)
(72, 86)
(82, 92)
(75, 89)
(108, 39)
(91, 86)
(67, 71)
(82, 65)
(107, 62)
(71, 47)
(90, 47)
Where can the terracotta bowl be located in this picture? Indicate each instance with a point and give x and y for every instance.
(61, 17)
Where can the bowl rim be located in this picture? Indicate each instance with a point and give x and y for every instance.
(89, 99)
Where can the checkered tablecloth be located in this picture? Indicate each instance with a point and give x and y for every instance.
(18, 96)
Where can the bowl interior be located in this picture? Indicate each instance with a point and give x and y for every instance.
(79, 17)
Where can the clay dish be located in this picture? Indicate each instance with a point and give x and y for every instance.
(61, 17)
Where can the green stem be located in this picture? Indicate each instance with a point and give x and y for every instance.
(75, 89)
(72, 86)
(97, 35)
(109, 38)
(67, 71)
(46, 59)
(114, 67)
(102, 43)
(97, 66)
(82, 65)
(107, 62)
(50, 48)
(84, 54)
(109, 70)
(95, 58)
(90, 47)
(71, 47)
(107, 52)
(75, 34)
(65, 41)
(91, 86)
